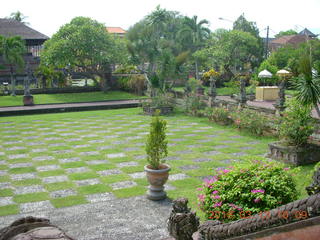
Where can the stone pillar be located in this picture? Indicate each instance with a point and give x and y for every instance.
(280, 103)
(213, 92)
(243, 95)
(27, 98)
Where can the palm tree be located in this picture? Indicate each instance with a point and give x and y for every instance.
(12, 50)
(307, 85)
(18, 16)
(196, 32)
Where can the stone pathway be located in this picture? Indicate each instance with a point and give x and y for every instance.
(113, 219)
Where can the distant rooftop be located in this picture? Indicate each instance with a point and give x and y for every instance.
(116, 30)
(11, 27)
(307, 32)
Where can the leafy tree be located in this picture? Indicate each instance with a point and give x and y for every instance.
(242, 24)
(231, 51)
(18, 16)
(83, 45)
(286, 33)
(197, 33)
(12, 50)
(153, 45)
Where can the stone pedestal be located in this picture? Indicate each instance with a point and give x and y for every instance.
(307, 154)
(28, 100)
(156, 193)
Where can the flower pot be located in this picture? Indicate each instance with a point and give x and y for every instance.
(28, 100)
(157, 178)
(301, 155)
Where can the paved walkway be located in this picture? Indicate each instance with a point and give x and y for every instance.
(61, 107)
(116, 219)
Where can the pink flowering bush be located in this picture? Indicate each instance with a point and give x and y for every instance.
(246, 189)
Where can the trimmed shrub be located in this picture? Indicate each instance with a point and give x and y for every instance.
(246, 189)
(220, 115)
(297, 124)
(252, 121)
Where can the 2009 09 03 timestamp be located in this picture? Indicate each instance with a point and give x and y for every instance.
(265, 215)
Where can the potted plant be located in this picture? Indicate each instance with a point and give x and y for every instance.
(162, 102)
(295, 129)
(156, 147)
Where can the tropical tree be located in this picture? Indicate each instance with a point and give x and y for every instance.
(230, 51)
(83, 45)
(12, 50)
(286, 33)
(155, 49)
(307, 85)
(242, 24)
(18, 16)
(196, 32)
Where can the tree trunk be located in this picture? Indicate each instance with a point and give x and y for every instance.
(197, 73)
(13, 82)
(317, 109)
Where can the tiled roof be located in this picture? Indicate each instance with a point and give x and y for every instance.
(10, 27)
(289, 39)
(118, 30)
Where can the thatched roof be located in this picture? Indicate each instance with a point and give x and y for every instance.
(10, 27)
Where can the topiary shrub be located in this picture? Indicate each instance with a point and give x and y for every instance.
(246, 189)
(156, 146)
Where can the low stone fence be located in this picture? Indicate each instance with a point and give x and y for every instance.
(60, 90)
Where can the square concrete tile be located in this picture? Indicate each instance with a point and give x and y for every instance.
(109, 172)
(115, 155)
(6, 201)
(100, 197)
(124, 184)
(54, 179)
(35, 206)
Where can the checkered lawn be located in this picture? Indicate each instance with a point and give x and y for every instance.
(59, 160)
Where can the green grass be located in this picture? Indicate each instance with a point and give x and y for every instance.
(31, 197)
(92, 189)
(68, 98)
(130, 192)
(6, 193)
(68, 201)
(9, 210)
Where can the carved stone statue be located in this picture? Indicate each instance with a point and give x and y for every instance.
(314, 187)
(31, 228)
(182, 223)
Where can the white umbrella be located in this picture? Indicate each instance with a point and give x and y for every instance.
(265, 74)
(283, 72)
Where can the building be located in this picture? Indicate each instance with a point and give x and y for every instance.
(116, 31)
(293, 40)
(34, 39)
(34, 42)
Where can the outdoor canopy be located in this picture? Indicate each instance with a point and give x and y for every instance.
(265, 74)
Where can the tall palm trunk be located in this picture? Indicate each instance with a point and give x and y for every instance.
(197, 73)
(316, 106)
(13, 82)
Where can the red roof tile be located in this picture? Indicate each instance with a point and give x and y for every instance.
(118, 30)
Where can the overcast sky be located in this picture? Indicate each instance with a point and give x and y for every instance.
(47, 16)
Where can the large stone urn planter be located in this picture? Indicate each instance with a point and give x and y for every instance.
(157, 178)
(163, 110)
(309, 153)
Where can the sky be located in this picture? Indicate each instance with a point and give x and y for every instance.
(47, 16)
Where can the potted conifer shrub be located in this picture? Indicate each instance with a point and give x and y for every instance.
(156, 147)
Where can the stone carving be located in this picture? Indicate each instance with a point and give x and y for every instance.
(32, 228)
(314, 187)
(291, 212)
(182, 223)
